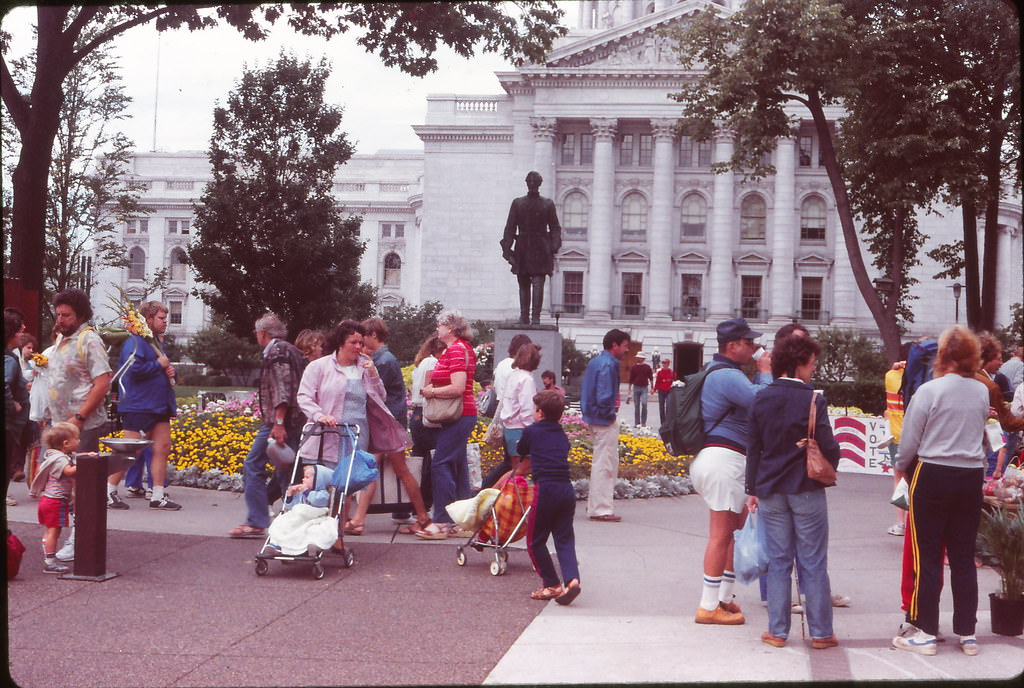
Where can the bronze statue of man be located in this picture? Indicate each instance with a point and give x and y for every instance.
(532, 237)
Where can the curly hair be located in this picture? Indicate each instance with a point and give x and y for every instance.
(791, 352)
(341, 332)
(77, 299)
(459, 326)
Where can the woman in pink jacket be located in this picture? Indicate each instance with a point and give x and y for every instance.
(345, 388)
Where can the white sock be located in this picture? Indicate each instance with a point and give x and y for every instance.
(158, 493)
(111, 489)
(725, 591)
(709, 592)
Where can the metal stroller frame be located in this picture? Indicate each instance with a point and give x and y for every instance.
(500, 564)
(337, 497)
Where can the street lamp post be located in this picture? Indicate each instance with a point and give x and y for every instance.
(957, 290)
(884, 286)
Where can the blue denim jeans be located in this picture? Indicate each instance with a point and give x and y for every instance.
(133, 476)
(639, 405)
(449, 472)
(255, 474)
(797, 526)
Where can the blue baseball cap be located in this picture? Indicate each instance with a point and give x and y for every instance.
(737, 328)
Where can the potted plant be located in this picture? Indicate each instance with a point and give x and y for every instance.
(1002, 543)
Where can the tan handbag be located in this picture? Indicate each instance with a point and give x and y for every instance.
(442, 411)
(818, 467)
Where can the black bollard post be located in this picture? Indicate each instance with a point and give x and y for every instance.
(91, 518)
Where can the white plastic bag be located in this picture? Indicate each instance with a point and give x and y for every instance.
(750, 560)
(470, 513)
(901, 495)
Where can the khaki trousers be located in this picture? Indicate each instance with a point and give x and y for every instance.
(604, 468)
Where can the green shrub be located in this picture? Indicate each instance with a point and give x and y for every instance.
(868, 396)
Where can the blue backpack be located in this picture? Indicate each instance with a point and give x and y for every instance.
(919, 370)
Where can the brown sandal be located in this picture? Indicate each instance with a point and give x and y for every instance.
(352, 528)
(546, 593)
(428, 530)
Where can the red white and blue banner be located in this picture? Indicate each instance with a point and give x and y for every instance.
(859, 439)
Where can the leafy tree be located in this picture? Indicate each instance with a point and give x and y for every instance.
(89, 189)
(574, 361)
(887, 157)
(404, 35)
(267, 232)
(409, 326)
(1012, 335)
(216, 347)
(848, 355)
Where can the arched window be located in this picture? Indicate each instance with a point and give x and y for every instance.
(693, 218)
(575, 214)
(634, 217)
(136, 263)
(812, 219)
(392, 270)
(177, 265)
(753, 218)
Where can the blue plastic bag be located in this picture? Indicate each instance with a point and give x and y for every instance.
(749, 558)
(364, 471)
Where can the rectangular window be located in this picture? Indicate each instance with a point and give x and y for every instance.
(177, 226)
(385, 230)
(704, 154)
(626, 150)
(646, 149)
(686, 151)
(810, 298)
(750, 297)
(144, 226)
(806, 145)
(568, 149)
(572, 292)
(632, 293)
(177, 272)
(399, 230)
(586, 149)
(131, 226)
(691, 296)
(174, 314)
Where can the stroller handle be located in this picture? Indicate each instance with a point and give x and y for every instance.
(318, 429)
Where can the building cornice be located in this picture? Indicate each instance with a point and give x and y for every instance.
(478, 134)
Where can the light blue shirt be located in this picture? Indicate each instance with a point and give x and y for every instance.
(728, 394)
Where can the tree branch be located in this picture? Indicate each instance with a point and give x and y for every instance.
(16, 103)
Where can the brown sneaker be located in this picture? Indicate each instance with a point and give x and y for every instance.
(719, 616)
(772, 640)
(730, 607)
(824, 643)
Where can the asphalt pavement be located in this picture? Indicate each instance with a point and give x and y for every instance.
(187, 609)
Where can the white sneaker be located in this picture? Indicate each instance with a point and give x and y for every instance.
(67, 552)
(920, 642)
(897, 529)
(840, 600)
(969, 644)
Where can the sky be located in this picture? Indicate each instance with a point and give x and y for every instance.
(198, 69)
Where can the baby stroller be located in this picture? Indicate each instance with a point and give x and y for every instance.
(503, 524)
(308, 523)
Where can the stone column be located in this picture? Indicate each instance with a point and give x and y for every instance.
(659, 230)
(544, 130)
(847, 301)
(603, 8)
(723, 234)
(599, 287)
(784, 230)
(1006, 293)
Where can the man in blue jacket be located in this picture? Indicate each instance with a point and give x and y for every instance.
(719, 469)
(599, 402)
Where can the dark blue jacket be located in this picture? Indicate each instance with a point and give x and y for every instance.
(778, 420)
(146, 387)
(548, 448)
(394, 383)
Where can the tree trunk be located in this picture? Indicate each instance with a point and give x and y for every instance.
(887, 327)
(972, 288)
(990, 264)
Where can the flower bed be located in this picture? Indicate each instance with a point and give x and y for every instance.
(209, 447)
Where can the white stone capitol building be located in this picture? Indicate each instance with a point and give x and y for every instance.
(653, 242)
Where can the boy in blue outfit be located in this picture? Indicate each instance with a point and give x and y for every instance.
(554, 500)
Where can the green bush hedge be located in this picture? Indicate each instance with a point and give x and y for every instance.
(868, 396)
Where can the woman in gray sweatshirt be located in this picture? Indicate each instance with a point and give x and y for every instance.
(941, 456)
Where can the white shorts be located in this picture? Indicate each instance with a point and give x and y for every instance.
(718, 474)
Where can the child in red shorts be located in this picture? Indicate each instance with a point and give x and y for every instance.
(57, 475)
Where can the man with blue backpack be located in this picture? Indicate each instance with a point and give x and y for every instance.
(719, 469)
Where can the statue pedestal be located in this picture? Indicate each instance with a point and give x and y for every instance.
(547, 337)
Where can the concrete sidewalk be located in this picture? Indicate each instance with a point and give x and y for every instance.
(188, 610)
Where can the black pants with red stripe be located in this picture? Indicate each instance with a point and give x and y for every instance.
(945, 507)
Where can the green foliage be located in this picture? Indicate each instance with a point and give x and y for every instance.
(221, 350)
(409, 326)
(268, 233)
(1012, 335)
(574, 361)
(951, 257)
(848, 355)
(869, 396)
(1001, 536)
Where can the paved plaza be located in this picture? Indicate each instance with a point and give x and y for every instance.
(188, 610)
